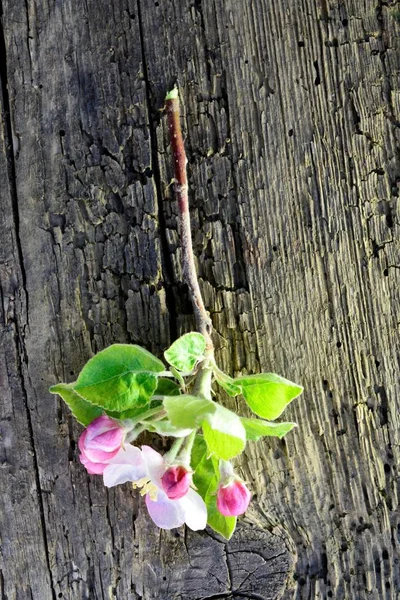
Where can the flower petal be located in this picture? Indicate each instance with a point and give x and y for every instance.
(176, 481)
(155, 465)
(233, 499)
(127, 465)
(101, 440)
(91, 467)
(129, 455)
(109, 440)
(100, 425)
(99, 455)
(81, 441)
(165, 513)
(194, 510)
(117, 474)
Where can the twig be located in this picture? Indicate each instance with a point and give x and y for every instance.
(203, 321)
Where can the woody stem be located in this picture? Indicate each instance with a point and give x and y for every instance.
(203, 321)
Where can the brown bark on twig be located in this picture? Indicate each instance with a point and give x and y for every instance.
(203, 321)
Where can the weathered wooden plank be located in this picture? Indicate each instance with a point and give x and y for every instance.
(22, 527)
(312, 100)
(291, 112)
(91, 250)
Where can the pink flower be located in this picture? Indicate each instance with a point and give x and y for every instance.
(146, 468)
(99, 443)
(233, 498)
(176, 481)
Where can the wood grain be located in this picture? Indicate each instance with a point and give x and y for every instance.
(291, 113)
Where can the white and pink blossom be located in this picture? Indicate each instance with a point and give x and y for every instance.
(146, 469)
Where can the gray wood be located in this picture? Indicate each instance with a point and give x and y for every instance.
(291, 114)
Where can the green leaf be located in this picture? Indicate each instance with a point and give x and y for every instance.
(187, 411)
(227, 382)
(221, 524)
(255, 428)
(83, 411)
(120, 393)
(179, 377)
(223, 430)
(171, 95)
(133, 413)
(198, 451)
(205, 478)
(186, 351)
(268, 394)
(166, 387)
(167, 429)
(119, 378)
(224, 433)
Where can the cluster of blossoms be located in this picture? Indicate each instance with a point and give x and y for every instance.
(131, 386)
(165, 481)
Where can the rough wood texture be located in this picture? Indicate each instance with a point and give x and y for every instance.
(291, 113)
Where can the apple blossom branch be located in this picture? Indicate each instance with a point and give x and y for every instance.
(203, 320)
(124, 390)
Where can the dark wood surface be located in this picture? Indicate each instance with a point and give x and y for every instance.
(291, 113)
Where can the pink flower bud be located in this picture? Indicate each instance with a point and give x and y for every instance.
(176, 481)
(233, 498)
(99, 443)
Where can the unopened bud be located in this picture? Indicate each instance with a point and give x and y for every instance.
(176, 481)
(100, 442)
(233, 498)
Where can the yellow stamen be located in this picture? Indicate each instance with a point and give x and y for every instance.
(140, 482)
(147, 486)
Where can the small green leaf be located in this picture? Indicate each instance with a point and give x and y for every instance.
(227, 382)
(186, 351)
(198, 451)
(205, 478)
(221, 524)
(268, 394)
(224, 433)
(167, 429)
(83, 411)
(179, 377)
(255, 428)
(172, 94)
(166, 387)
(223, 430)
(187, 411)
(119, 378)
